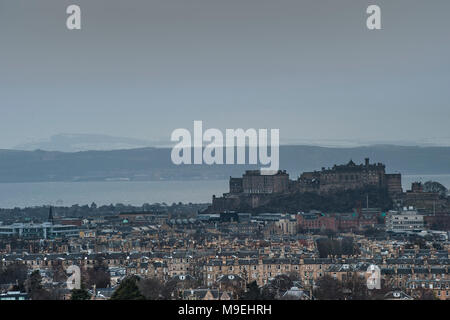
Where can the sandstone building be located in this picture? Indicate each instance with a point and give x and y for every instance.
(349, 176)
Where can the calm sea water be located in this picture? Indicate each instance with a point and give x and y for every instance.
(104, 193)
(130, 192)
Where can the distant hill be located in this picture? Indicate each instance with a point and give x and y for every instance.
(75, 142)
(86, 142)
(155, 163)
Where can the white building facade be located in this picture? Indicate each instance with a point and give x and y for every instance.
(404, 221)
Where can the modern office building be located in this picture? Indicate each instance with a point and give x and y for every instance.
(13, 295)
(45, 230)
(406, 220)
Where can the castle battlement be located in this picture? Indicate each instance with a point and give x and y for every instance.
(254, 187)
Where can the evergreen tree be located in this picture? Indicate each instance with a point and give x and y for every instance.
(128, 290)
(80, 294)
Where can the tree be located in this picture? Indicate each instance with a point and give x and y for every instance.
(253, 292)
(80, 294)
(339, 201)
(59, 274)
(34, 281)
(168, 289)
(277, 286)
(433, 186)
(151, 289)
(357, 288)
(128, 290)
(14, 274)
(370, 232)
(34, 287)
(420, 242)
(425, 294)
(294, 276)
(98, 275)
(348, 246)
(268, 292)
(329, 288)
(328, 247)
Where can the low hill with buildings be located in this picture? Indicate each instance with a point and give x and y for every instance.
(340, 188)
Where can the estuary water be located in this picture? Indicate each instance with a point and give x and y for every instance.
(132, 192)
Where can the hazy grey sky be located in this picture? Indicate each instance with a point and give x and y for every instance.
(142, 68)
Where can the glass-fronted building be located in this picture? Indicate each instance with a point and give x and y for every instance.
(45, 230)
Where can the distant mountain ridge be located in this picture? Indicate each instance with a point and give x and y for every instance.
(86, 142)
(66, 142)
(155, 163)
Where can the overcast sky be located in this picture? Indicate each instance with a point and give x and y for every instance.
(142, 68)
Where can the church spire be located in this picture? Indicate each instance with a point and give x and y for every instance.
(50, 215)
